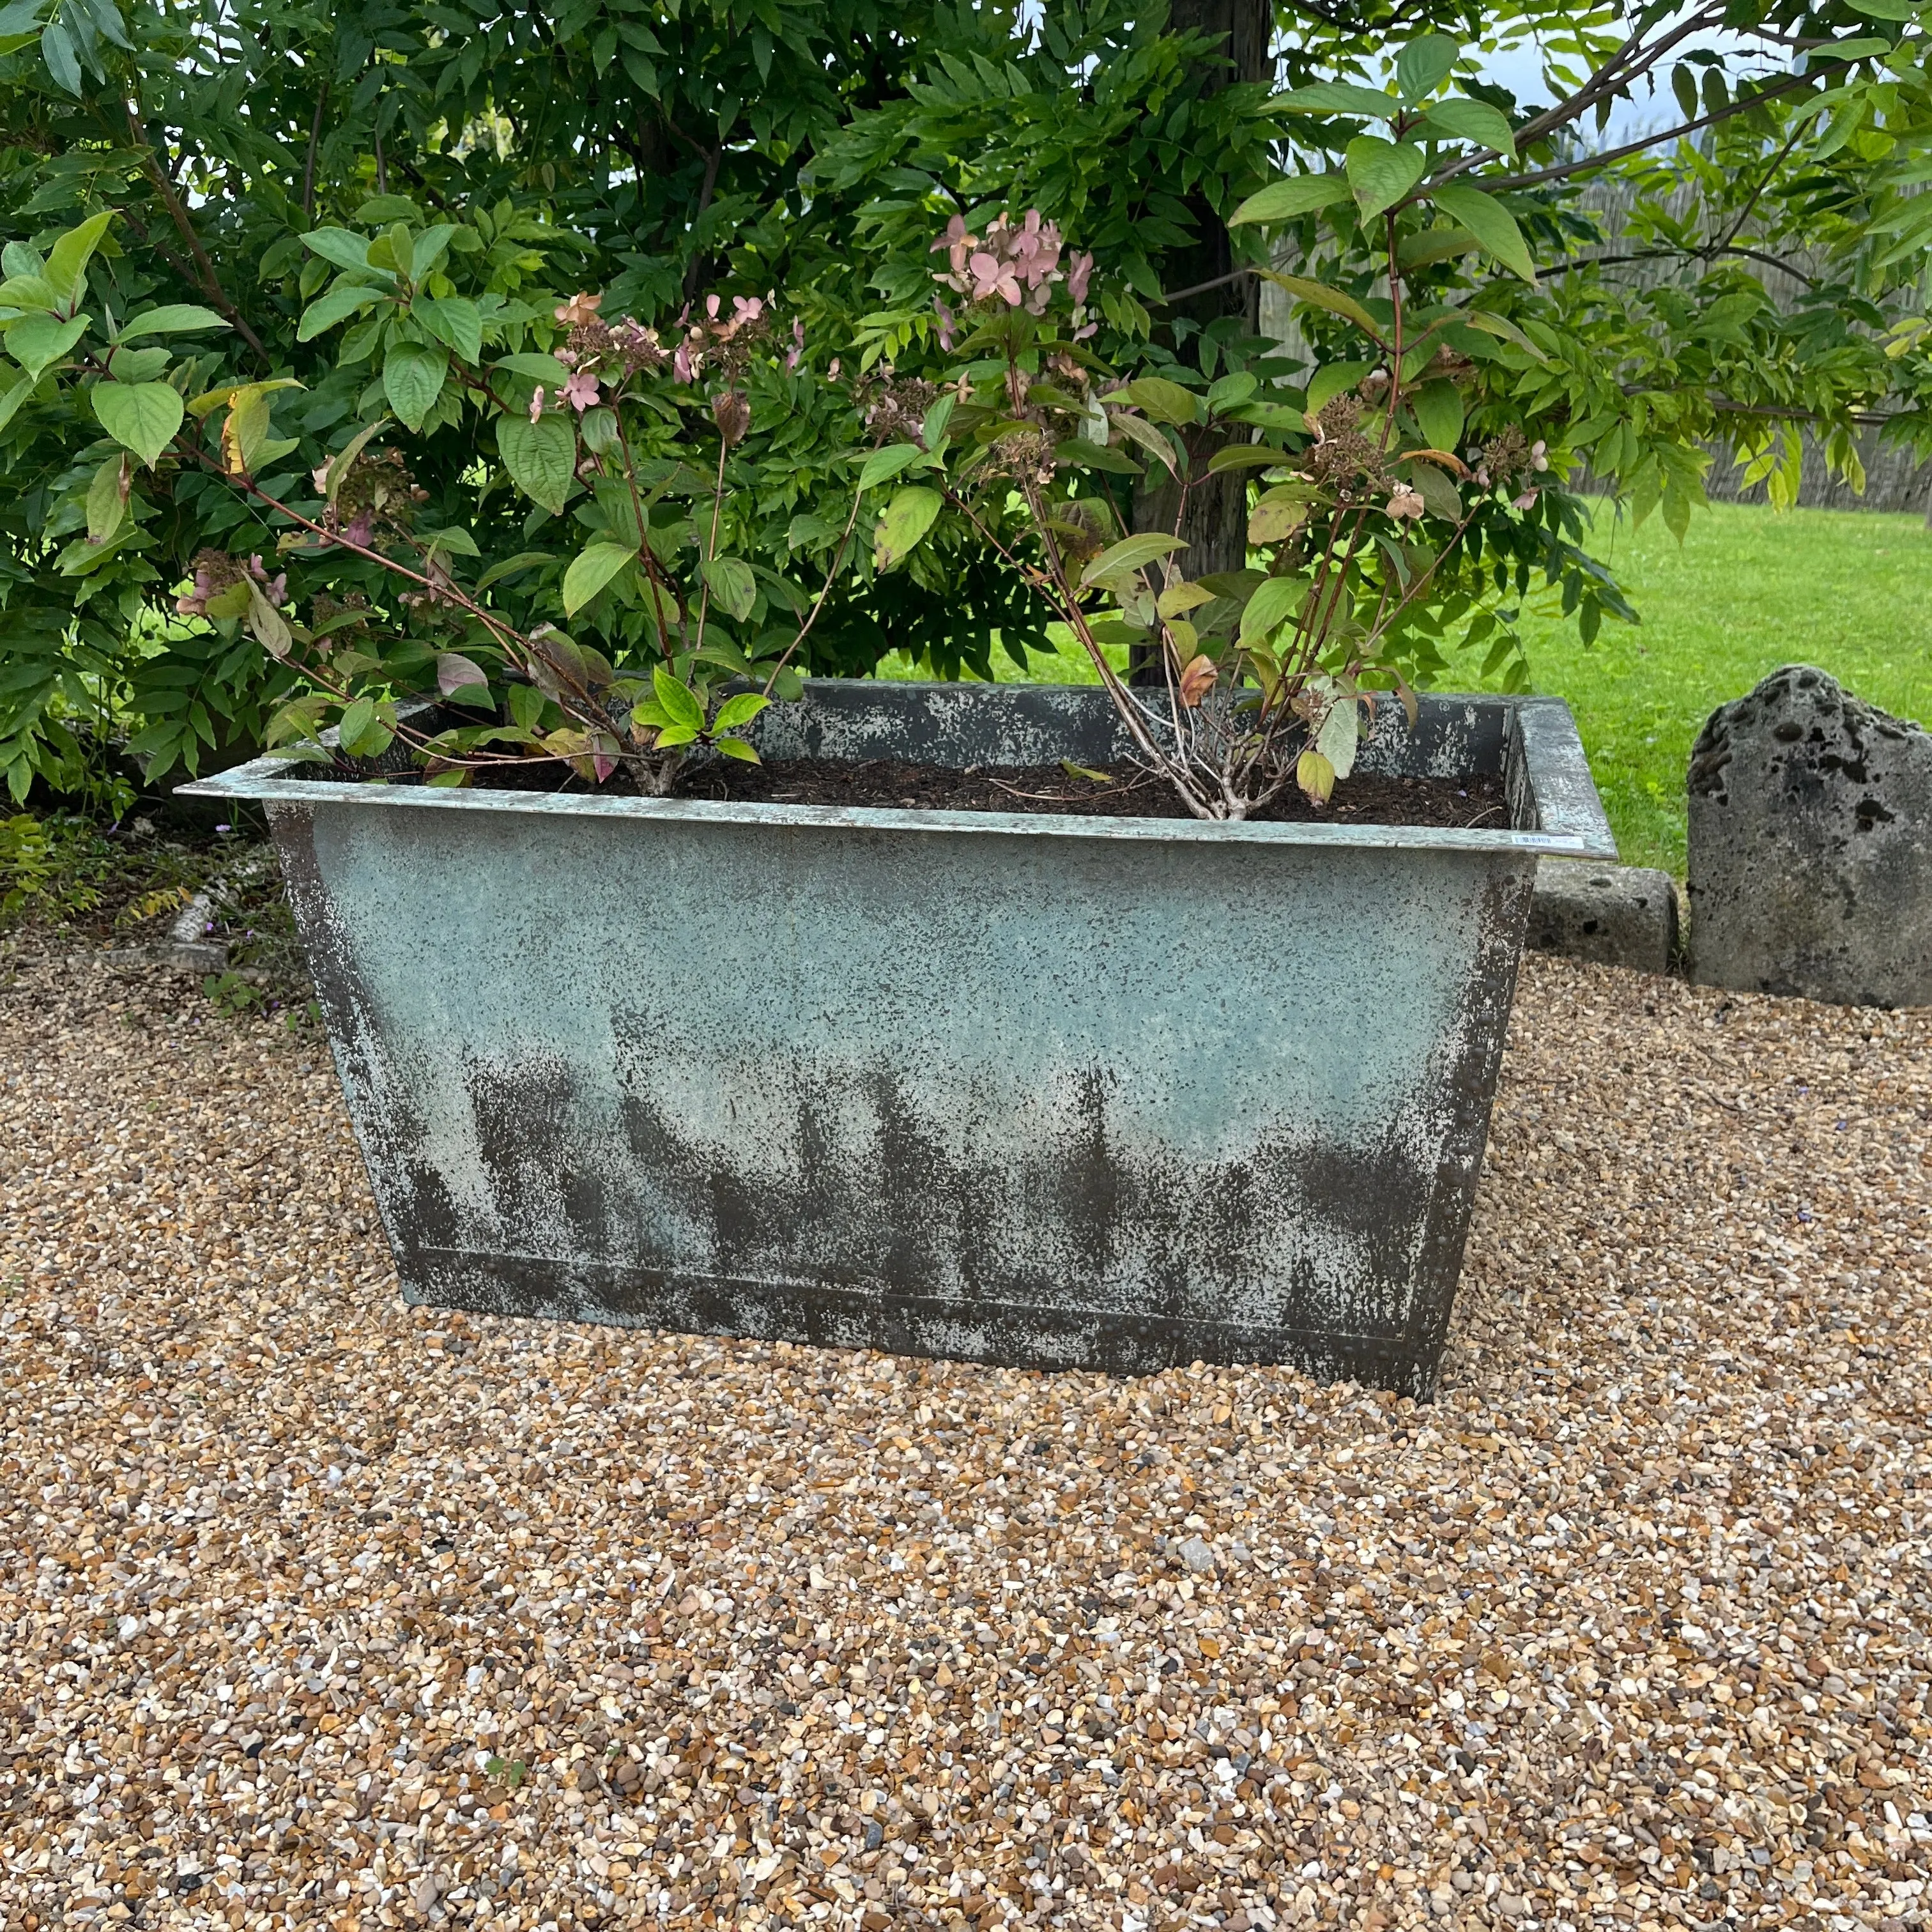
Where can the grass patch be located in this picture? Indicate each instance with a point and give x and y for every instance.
(1847, 590)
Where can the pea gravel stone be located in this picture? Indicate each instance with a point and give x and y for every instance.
(320, 1611)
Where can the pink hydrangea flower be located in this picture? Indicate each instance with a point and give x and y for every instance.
(537, 403)
(580, 391)
(797, 348)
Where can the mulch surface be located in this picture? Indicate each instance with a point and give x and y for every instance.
(320, 1612)
(1363, 798)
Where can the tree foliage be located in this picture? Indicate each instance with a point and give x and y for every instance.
(354, 228)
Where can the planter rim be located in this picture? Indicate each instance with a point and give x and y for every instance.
(1574, 824)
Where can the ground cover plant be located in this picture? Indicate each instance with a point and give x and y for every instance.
(293, 464)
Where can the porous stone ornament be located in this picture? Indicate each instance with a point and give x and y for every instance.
(1610, 915)
(1811, 854)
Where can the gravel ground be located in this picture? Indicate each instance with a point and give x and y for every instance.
(324, 1612)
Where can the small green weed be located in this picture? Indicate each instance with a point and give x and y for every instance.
(232, 993)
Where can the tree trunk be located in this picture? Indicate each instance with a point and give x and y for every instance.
(1216, 524)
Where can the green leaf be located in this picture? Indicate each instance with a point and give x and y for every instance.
(338, 245)
(732, 584)
(1438, 409)
(590, 571)
(1077, 453)
(1474, 120)
(1319, 294)
(1440, 497)
(1164, 401)
(68, 260)
(270, 627)
(1505, 330)
(455, 320)
(1332, 378)
(340, 463)
(37, 342)
(452, 540)
(1424, 64)
(884, 464)
(1277, 600)
(1283, 200)
(1885, 10)
(10, 399)
(30, 292)
(106, 500)
(1132, 552)
(340, 302)
(1245, 456)
(1339, 96)
(176, 319)
(677, 699)
(541, 457)
(364, 732)
(736, 747)
(1490, 222)
(139, 416)
(1380, 173)
(1431, 245)
(523, 560)
(908, 516)
(412, 378)
(738, 710)
(546, 369)
(428, 249)
(1340, 733)
(57, 49)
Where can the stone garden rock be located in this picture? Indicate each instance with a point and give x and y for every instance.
(1609, 915)
(1810, 855)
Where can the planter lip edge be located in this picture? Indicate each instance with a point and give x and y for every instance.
(1575, 823)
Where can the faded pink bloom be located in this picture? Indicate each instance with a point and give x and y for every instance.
(946, 318)
(319, 476)
(580, 391)
(680, 362)
(711, 306)
(797, 348)
(957, 243)
(833, 371)
(1524, 502)
(1405, 501)
(579, 309)
(362, 532)
(1078, 271)
(1539, 455)
(745, 308)
(537, 403)
(992, 276)
(1081, 334)
(275, 588)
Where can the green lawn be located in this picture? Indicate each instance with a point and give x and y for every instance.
(1746, 592)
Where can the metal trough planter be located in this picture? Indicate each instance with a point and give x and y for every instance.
(1104, 1093)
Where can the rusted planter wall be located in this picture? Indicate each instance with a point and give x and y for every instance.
(1105, 1093)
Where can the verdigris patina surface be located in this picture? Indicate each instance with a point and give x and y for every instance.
(1111, 1094)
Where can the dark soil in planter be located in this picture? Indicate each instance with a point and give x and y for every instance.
(1364, 798)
